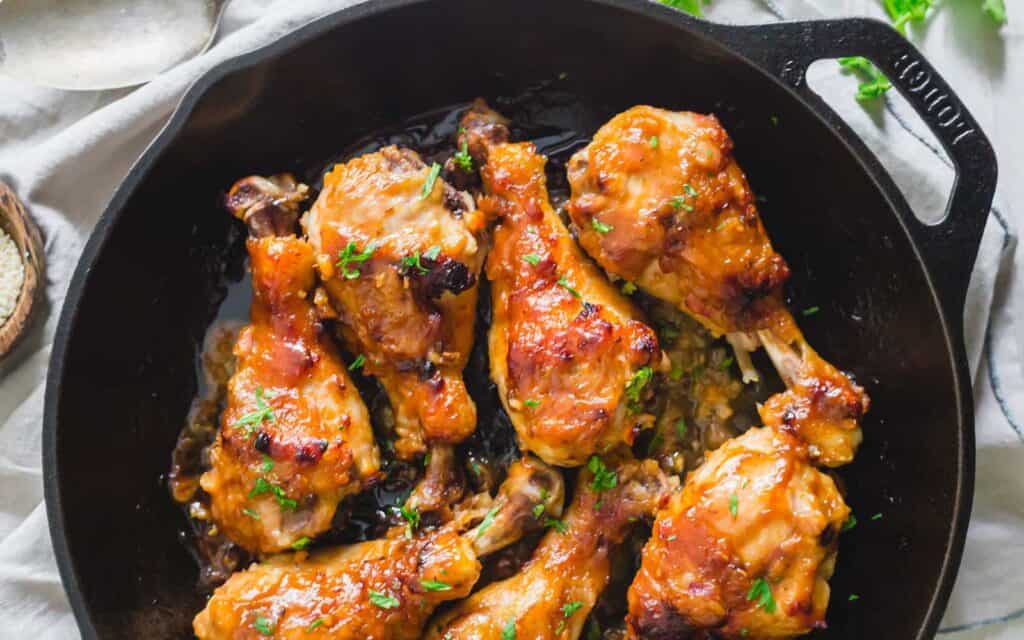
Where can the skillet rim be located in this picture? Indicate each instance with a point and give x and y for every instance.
(716, 33)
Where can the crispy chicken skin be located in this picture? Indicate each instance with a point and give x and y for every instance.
(295, 436)
(379, 590)
(745, 550)
(399, 252)
(564, 343)
(659, 200)
(553, 594)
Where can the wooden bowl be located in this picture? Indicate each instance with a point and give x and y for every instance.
(15, 222)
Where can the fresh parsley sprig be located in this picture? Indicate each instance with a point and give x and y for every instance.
(874, 83)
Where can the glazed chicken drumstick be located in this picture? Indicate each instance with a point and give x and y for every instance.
(553, 594)
(745, 550)
(399, 252)
(382, 589)
(295, 437)
(659, 201)
(568, 352)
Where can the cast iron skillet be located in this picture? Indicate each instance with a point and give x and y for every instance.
(891, 289)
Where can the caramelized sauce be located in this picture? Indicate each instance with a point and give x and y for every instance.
(707, 396)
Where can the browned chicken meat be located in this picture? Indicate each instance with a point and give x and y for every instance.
(399, 252)
(569, 354)
(659, 201)
(553, 594)
(295, 436)
(383, 589)
(745, 550)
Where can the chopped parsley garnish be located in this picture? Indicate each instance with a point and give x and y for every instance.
(413, 262)
(252, 513)
(486, 523)
(357, 363)
(532, 258)
(508, 632)
(434, 585)
(761, 591)
(599, 226)
(850, 523)
(636, 385)
(654, 142)
(433, 252)
(351, 255)
(603, 478)
(557, 525)
(810, 311)
(428, 184)
(690, 191)
(263, 625)
(383, 600)
(268, 464)
(725, 364)
(261, 486)
(571, 608)
(679, 202)
(567, 611)
(681, 427)
(530, 402)
(734, 505)
(877, 516)
(562, 282)
(873, 83)
(628, 288)
(462, 158)
(411, 515)
(301, 543)
(313, 625)
(538, 509)
(853, 597)
(253, 419)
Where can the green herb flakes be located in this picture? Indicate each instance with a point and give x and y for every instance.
(351, 255)
(604, 479)
(562, 282)
(635, 386)
(486, 523)
(435, 585)
(253, 419)
(761, 591)
(383, 600)
(508, 632)
(357, 363)
(263, 625)
(428, 184)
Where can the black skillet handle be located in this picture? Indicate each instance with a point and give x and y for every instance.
(950, 246)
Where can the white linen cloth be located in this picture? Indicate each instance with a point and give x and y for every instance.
(65, 153)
